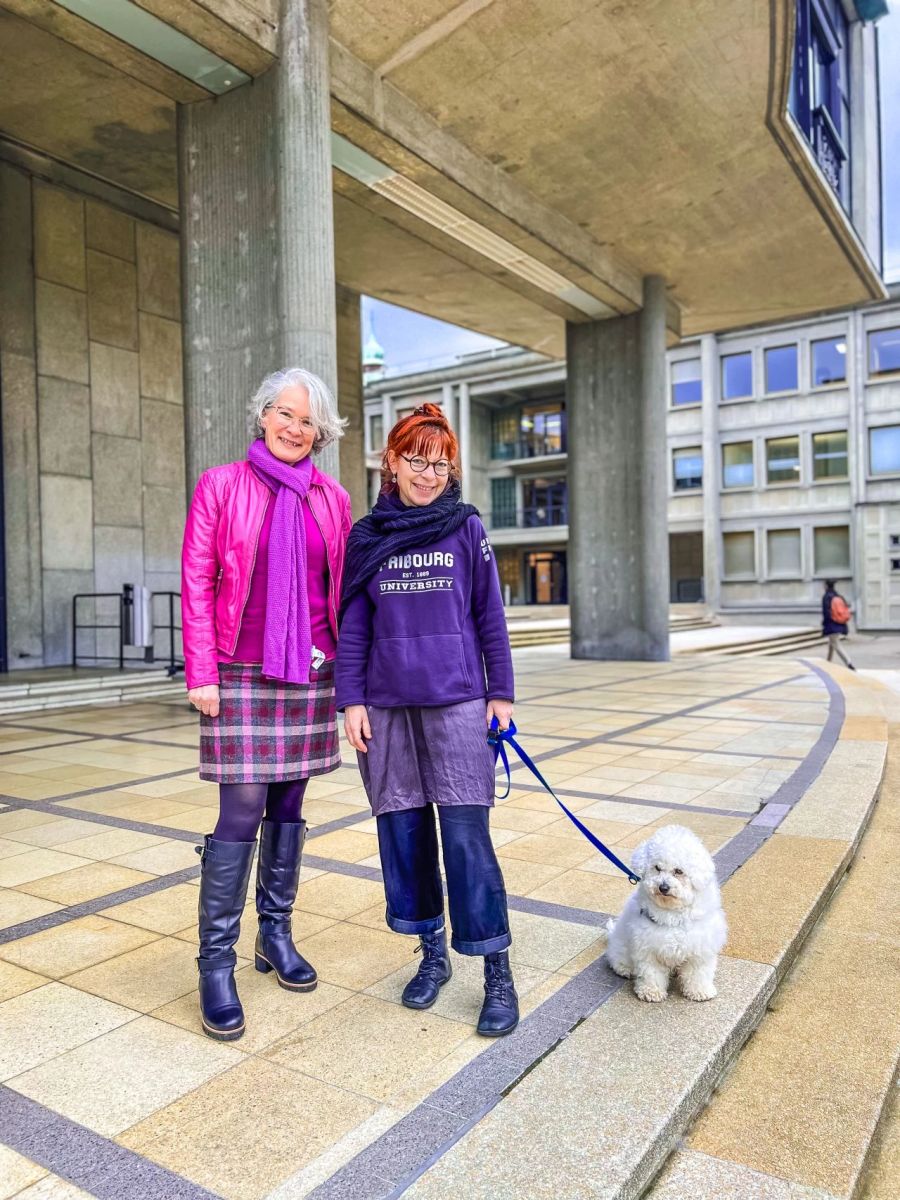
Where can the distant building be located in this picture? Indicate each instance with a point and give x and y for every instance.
(783, 453)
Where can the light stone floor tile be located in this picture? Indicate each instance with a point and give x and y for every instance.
(162, 859)
(115, 1080)
(304, 925)
(16, 907)
(14, 981)
(522, 877)
(51, 1187)
(346, 845)
(113, 843)
(588, 956)
(634, 815)
(57, 1019)
(271, 1012)
(541, 848)
(55, 833)
(16, 1173)
(167, 911)
(355, 957)
(595, 782)
(22, 818)
(84, 883)
(372, 918)
(228, 1156)
(609, 832)
(36, 864)
(701, 1175)
(521, 820)
(59, 951)
(398, 1043)
(144, 978)
(546, 943)
(197, 819)
(338, 896)
(8, 848)
(586, 889)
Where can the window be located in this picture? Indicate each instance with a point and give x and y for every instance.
(687, 468)
(740, 553)
(542, 429)
(830, 455)
(376, 433)
(832, 549)
(829, 361)
(737, 465)
(781, 369)
(545, 502)
(783, 460)
(820, 87)
(504, 433)
(687, 387)
(884, 450)
(503, 503)
(884, 351)
(737, 376)
(783, 552)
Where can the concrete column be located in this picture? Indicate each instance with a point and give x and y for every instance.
(618, 529)
(352, 448)
(857, 465)
(863, 137)
(257, 239)
(712, 471)
(464, 433)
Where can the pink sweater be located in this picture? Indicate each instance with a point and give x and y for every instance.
(249, 648)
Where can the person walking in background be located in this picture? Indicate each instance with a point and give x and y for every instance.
(262, 563)
(423, 667)
(836, 615)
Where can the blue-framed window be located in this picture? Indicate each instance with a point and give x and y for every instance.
(820, 88)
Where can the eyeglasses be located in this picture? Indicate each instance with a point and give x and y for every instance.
(418, 464)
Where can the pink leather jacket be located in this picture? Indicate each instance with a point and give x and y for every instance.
(219, 553)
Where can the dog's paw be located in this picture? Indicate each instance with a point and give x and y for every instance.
(649, 993)
(619, 969)
(699, 993)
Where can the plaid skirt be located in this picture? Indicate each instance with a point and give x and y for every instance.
(268, 731)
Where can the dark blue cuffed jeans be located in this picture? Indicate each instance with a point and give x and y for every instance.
(408, 845)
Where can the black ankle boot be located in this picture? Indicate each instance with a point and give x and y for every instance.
(224, 874)
(434, 971)
(500, 1011)
(277, 877)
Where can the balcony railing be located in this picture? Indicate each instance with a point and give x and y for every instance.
(538, 516)
(828, 147)
(529, 447)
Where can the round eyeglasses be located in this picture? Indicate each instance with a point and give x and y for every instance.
(418, 464)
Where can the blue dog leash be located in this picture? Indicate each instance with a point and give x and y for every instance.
(497, 739)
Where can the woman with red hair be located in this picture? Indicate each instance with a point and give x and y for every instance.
(423, 667)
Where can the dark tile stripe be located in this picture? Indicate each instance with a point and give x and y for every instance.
(88, 1160)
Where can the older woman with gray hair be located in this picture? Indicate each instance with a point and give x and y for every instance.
(262, 563)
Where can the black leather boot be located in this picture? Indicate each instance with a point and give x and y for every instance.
(224, 875)
(277, 877)
(434, 971)
(500, 1011)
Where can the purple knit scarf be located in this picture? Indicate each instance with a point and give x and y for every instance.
(287, 642)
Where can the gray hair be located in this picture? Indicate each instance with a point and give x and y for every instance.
(322, 407)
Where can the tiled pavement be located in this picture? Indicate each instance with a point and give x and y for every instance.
(107, 1086)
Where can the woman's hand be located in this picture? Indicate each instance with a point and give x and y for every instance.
(206, 699)
(356, 726)
(502, 710)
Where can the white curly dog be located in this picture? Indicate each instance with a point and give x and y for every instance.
(673, 921)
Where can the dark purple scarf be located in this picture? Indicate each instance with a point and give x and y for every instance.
(392, 527)
(287, 641)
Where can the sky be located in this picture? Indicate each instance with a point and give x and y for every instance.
(411, 341)
(889, 80)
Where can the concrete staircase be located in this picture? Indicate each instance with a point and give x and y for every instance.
(72, 689)
(537, 626)
(791, 642)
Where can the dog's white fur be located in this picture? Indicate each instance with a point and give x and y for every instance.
(673, 921)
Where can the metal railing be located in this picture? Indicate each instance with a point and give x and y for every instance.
(537, 516)
(530, 447)
(118, 623)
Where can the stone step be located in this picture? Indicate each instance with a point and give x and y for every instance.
(599, 1115)
(76, 694)
(764, 647)
(804, 1099)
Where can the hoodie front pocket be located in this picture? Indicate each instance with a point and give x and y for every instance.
(430, 669)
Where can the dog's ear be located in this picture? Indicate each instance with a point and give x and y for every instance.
(639, 858)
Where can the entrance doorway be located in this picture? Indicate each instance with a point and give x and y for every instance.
(685, 568)
(546, 572)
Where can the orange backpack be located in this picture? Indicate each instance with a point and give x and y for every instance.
(840, 610)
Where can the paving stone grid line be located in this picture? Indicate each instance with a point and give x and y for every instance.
(335, 866)
(389, 1165)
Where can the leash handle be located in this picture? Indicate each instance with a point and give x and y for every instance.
(497, 740)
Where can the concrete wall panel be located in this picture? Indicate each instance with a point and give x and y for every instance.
(62, 336)
(115, 391)
(59, 236)
(161, 369)
(64, 425)
(116, 469)
(67, 520)
(109, 230)
(162, 440)
(164, 516)
(118, 557)
(159, 279)
(59, 588)
(112, 300)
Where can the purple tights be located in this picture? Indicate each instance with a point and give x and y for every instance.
(243, 805)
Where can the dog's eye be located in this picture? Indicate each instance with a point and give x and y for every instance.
(657, 867)
(678, 871)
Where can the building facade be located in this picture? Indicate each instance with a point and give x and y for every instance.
(783, 465)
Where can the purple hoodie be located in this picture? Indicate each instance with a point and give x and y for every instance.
(429, 629)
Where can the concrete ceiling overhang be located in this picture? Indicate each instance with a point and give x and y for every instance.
(599, 141)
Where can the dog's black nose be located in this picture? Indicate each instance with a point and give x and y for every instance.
(664, 888)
